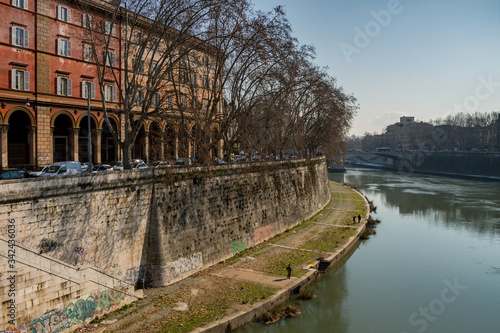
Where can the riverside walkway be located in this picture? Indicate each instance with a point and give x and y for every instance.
(232, 293)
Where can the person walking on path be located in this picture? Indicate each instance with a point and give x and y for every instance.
(289, 270)
(359, 218)
(354, 219)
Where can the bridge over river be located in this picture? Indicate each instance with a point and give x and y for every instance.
(482, 164)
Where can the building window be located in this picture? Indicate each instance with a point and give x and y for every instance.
(195, 79)
(86, 21)
(109, 93)
(154, 67)
(87, 52)
(139, 97)
(64, 47)
(139, 37)
(169, 75)
(138, 65)
(109, 28)
(206, 82)
(64, 86)
(85, 89)
(20, 3)
(170, 103)
(156, 100)
(183, 102)
(110, 59)
(205, 60)
(19, 36)
(20, 79)
(64, 13)
(183, 77)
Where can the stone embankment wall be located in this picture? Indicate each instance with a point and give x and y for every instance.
(86, 240)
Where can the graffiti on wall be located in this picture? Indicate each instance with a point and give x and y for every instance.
(135, 274)
(79, 255)
(174, 269)
(78, 312)
(238, 246)
(262, 233)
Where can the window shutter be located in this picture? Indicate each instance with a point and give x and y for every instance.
(59, 12)
(92, 88)
(68, 11)
(58, 83)
(68, 51)
(13, 35)
(26, 38)
(13, 74)
(25, 4)
(113, 92)
(59, 48)
(14, 3)
(113, 59)
(26, 80)
(69, 92)
(83, 83)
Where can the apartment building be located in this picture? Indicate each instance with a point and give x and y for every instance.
(46, 76)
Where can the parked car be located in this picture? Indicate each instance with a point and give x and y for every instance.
(11, 174)
(118, 166)
(63, 168)
(183, 162)
(85, 167)
(161, 164)
(219, 161)
(39, 171)
(101, 168)
(139, 165)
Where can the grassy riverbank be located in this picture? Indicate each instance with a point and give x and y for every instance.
(249, 277)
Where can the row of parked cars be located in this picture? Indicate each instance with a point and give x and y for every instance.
(72, 167)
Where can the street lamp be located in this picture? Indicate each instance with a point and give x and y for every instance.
(88, 124)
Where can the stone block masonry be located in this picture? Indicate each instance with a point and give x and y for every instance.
(97, 235)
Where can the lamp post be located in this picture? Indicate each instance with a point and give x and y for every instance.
(88, 124)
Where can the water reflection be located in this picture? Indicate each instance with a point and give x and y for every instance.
(452, 201)
(433, 229)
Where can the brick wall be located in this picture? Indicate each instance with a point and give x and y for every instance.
(152, 226)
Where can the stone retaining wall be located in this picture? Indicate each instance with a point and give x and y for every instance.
(138, 227)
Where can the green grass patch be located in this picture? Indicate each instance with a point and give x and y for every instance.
(328, 240)
(201, 313)
(297, 259)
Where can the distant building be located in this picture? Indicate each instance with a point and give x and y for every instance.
(405, 121)
(407, 134)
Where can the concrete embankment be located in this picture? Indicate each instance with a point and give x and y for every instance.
(235, 292)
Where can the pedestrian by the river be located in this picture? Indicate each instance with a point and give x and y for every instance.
(354, 219)
(289, 270)
(359, 218)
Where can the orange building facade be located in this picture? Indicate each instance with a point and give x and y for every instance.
(44, 77)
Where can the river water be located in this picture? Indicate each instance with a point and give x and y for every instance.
(433, 266)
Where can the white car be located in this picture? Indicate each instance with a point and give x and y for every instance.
(39, 171)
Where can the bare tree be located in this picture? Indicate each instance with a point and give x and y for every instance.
(136, 50)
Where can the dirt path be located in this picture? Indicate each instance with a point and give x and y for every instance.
(251, 276)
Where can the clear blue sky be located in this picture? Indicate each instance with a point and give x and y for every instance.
(427, 58)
